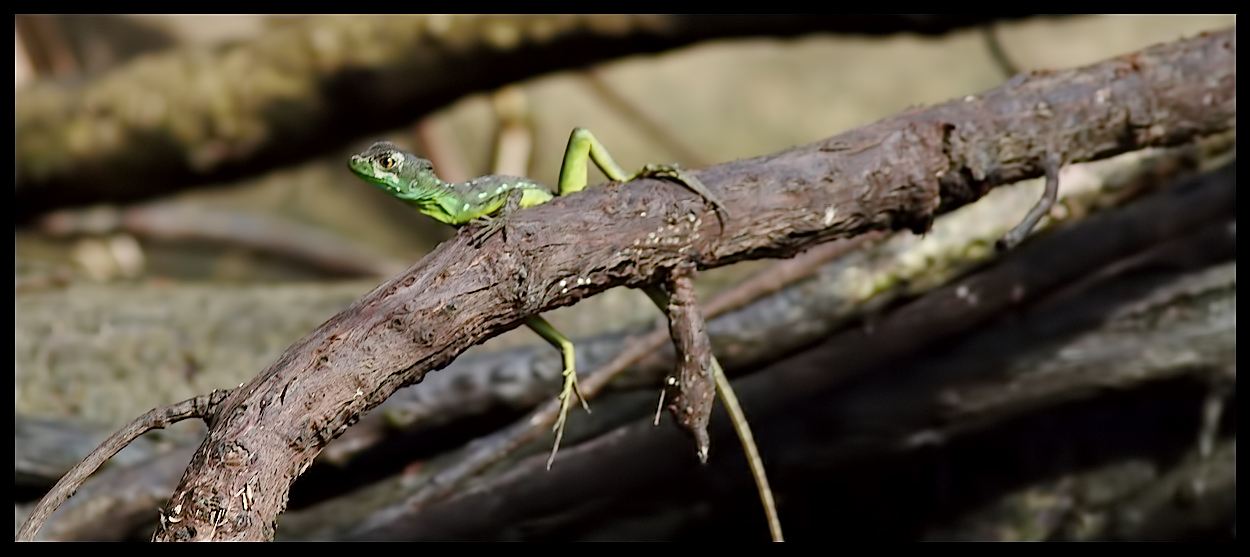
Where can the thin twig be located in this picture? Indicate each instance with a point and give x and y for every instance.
(653, 128)
(1021, 231)
(157, 418)
(990, 33)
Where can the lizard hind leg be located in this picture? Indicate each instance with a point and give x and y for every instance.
(583, 146)
(569, 389)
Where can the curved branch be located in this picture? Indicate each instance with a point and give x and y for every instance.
(157, 418)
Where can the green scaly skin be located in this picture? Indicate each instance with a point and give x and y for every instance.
(412, 180)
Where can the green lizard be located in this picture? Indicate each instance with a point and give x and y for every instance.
(412, 180)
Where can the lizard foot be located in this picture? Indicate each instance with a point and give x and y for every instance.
(488, 225)
(567, 392)
(676, 174)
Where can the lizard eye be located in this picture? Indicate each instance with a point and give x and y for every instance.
(387, 161)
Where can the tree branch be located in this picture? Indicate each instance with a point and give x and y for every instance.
(898, 173)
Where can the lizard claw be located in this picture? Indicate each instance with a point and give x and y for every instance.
(489, 225)
(567, 393)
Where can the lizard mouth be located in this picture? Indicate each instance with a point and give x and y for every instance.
(360, 165)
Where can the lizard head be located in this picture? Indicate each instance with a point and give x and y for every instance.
(392, 169)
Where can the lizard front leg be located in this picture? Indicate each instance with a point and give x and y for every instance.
(489, 224)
